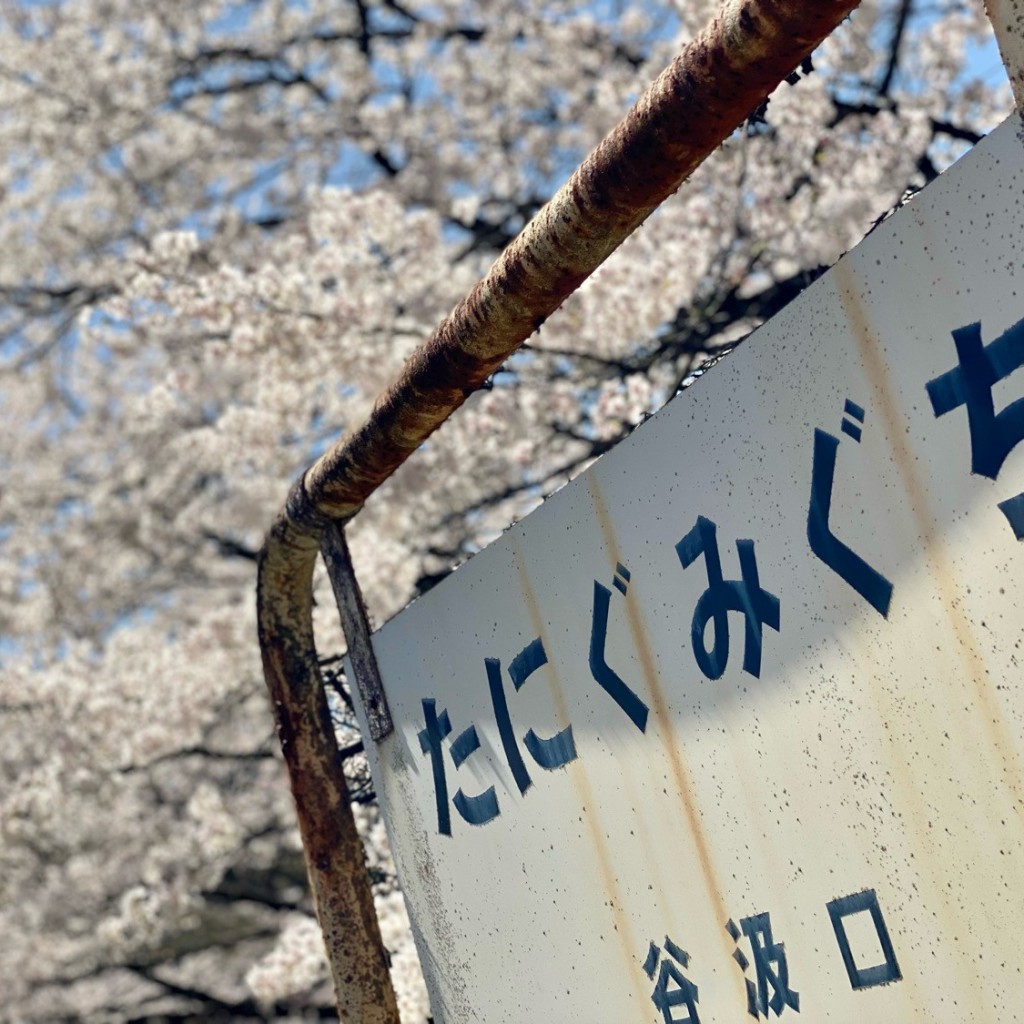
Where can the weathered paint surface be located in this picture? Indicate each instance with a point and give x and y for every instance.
(863, 786)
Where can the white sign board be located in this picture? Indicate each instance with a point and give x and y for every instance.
(734, 724)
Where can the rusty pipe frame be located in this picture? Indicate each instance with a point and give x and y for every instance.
(714, 83)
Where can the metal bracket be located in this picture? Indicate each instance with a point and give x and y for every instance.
(356, 625)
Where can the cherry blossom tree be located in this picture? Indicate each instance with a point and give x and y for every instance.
(224, 226)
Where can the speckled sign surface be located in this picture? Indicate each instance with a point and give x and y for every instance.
(734, 724)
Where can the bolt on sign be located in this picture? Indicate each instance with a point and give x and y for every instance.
(734, 724)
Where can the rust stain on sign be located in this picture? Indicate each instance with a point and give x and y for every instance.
(667, 734)
(968, 646)
(623, 927)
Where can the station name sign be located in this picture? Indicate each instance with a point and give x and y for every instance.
(733, 725)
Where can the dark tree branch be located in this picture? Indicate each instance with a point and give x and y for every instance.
(872, 109)
(264, 753)
(230, 548)
(902, 17)
(277, 73)
(955, 131)
(209, 1002)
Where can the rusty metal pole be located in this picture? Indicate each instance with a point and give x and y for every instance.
(716, 82)
(1007, 17)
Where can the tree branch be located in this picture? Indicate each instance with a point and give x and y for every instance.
(902, 17)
